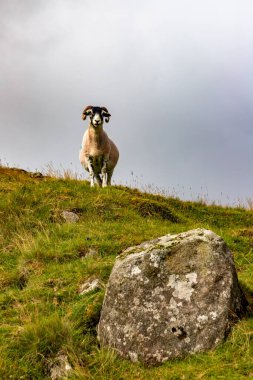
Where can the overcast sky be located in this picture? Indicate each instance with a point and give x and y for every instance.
(177, 77)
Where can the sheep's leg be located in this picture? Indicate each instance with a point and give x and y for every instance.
(97, 176)
(109, 177)
(104, 172)
(91, 171)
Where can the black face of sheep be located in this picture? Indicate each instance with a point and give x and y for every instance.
(96, 114)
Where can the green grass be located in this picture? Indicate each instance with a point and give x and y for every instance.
(43, 264)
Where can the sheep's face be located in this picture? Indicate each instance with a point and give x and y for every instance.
(97, 115)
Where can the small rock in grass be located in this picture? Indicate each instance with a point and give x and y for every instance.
(70, 217)
(59, 367)
(90, 252)
(36, 175)
(88, 286)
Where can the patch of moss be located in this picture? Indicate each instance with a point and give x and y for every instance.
(152, 208)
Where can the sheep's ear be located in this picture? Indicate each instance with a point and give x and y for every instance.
(87, 111)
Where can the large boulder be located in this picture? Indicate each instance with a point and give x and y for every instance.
(171, 296)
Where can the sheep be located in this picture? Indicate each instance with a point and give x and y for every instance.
(98, 154)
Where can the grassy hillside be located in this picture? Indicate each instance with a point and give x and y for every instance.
(44, 261)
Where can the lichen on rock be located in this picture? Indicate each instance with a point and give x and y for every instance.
(171, 296)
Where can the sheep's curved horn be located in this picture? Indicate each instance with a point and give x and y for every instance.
(85, 110)
(104, 109)
(106, 114)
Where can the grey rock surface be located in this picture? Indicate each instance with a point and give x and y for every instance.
(173, 296)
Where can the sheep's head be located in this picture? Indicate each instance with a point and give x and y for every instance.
(97, 115)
